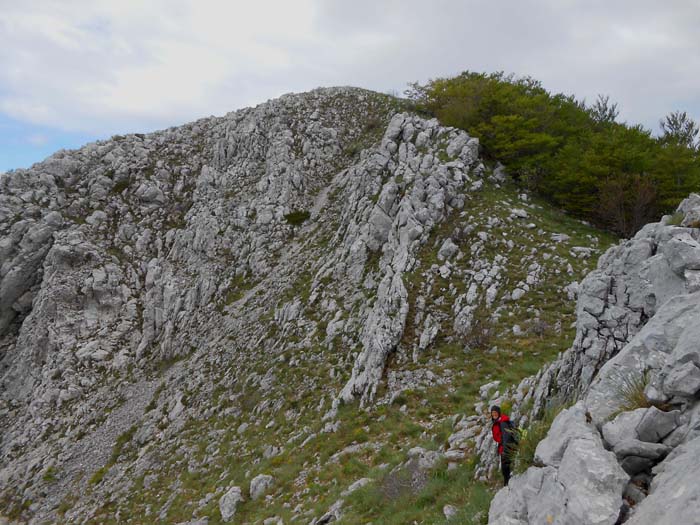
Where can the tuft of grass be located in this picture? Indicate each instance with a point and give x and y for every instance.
(64, 507)
(120, 186)
(631, 393)
(524, 456)
(153, 403)
(49, 475)
(98, 475)
(676, 219)
(297, 217)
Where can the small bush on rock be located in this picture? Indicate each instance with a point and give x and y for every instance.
(296, 218)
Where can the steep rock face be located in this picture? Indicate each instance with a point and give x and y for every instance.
(400, 226)
(579, 482)
(614, 302)
(653, 277)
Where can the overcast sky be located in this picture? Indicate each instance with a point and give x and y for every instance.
(73, 71)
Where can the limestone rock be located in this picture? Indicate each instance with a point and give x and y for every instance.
(587, 488)
(655, 425)
(259, 485)
(673, 490)
(569, 425)
(356, 485)
(643, 449)
(449, 511)
(625, 426)
(229, 502)
(448, 250)
(690, 208)
(683, 253)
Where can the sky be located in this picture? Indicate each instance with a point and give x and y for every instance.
(75, 71)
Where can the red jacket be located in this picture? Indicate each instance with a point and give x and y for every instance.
(496, 431)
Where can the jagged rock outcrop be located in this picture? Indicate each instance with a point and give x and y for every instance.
(579, 481)
(400, 226)
(642, 304)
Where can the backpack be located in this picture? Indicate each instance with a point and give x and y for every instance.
(510, 434)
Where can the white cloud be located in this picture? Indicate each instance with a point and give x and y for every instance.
(104, 67)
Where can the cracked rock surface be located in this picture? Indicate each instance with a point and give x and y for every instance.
(637, 325)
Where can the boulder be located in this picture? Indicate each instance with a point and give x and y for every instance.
(259, 485)
(636, 464)
(449, 511)
(674, 491)
(682, 253)
(426, 459)
(229, 502)
(334, 513)
(587, 488)
(535, 496)
(356, 486)
(569, 424)
(690, 208)
(683, 380)
(656, 424)
(448, 250)
(624, 426)
(594, 483)
(644, 449)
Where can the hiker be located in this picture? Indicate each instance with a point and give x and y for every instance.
(504, 433)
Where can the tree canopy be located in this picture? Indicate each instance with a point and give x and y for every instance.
(579, 157)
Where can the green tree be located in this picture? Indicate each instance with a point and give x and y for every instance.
(603, 111)
(678, 128)
(613, 174)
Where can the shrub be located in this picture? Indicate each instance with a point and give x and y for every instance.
(298, 217)
(617, 175)
(480, 334)
(120, 186)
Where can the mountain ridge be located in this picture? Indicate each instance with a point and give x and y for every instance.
(189, 316)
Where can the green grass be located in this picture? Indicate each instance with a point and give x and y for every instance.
(630, 392)
(120, 186)
(117, 451)
(240, 284)
(676, 219)
(50, 474)
(99, 475)
(530, 437)
(298, 217)
(391, 499)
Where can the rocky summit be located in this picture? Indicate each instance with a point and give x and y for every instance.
(301, 313)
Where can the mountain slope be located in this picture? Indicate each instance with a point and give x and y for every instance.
(184, 311)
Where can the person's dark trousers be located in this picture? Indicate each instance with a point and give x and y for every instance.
(505, 468)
